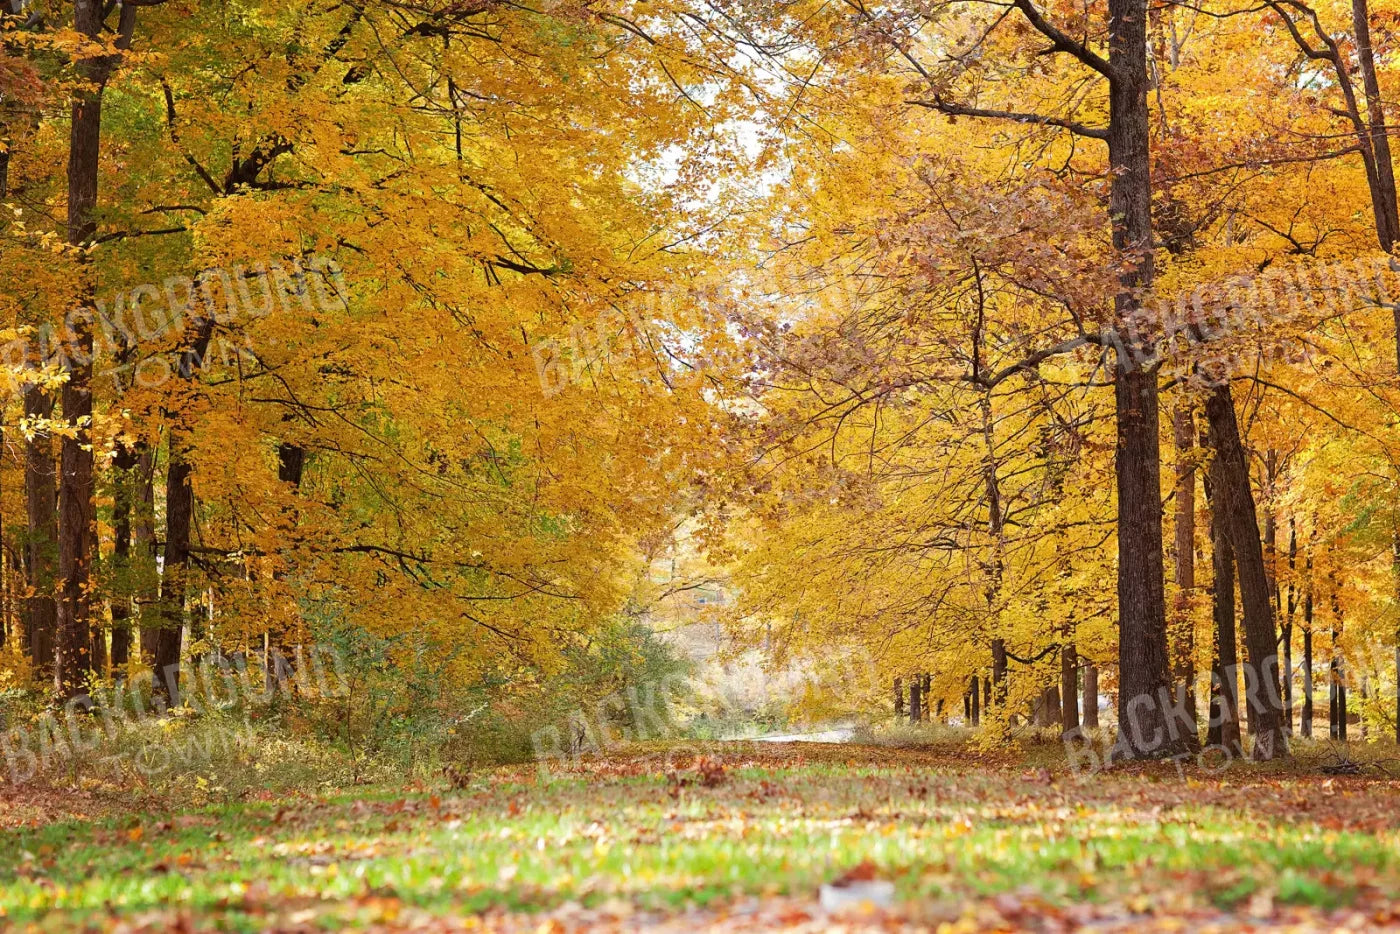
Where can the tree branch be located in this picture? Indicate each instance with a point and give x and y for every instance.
(961, 110)
(1062, 41)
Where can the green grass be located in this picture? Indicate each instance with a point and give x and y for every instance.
(942, 830)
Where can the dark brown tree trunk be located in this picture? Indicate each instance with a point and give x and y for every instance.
(1339, 675)
(1047, 708)
(898, 699)
(146, 551)
(77, 515)
(179, 517)
(1305, 723)
(291, 465)
(998, 673)
(928, 690)
(1184, 548)
(1224, 730)
(1069, 689)
(1091, 696)
(1233, 506)
(1290, 610)
(124, 489)
(1387, 217)
(1382, 182)
(98, 648)
(41, 506)
(1144, 681)
(1361, 714)
(916, 706)
(1332, 731)
(1270, 548)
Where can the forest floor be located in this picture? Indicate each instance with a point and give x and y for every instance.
(731, 837)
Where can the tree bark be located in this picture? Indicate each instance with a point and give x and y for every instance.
(1224, 729)
(1046, 712)
(1290, 611)
(1270, 548)
(179, 516)
(1144, 682)
(1387, 214)
(1091, 696)
(124, 466)
(898, 699)
(77, 515)
(146, 551)
(41, 507)
(1387, 217)
(291, 465)
(998, 673)
(1361, 714)
(1184, 546)
(1233, 507)
(1338, 679)
(1069, 689)
(1305, 720)
(976, 709)
(916, 707)
(1395, 581)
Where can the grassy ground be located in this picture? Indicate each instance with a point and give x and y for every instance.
(742, 840)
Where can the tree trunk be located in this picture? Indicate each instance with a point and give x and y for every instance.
(898, 699)
(1365, 694)
(124, 466)
(1184, 546)
(1338, 679)
(1382, 182)
(291, 465)
(146, 551)
(1069, 689)
(975, 711)
(1305, 720)
(1224, 730)
(179, 516)
(77, 515)
(1091, 696)
(1144, 682)
(1270, 548)
(41, 506)
(1395, 579)
(1047, 711)
(998, 673)
(1233, 505)
(928, 691)
(1387, 217)
(916, 708)
(1290, 610)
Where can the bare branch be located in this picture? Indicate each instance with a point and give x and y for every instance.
(1062, 41)
(961, 110)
